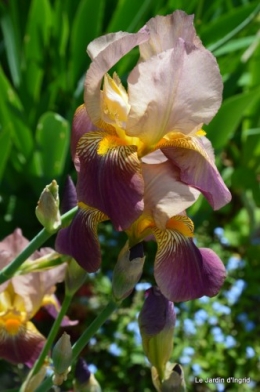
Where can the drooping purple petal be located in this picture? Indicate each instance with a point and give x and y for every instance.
(194, 158)
(69, 198)
(23, 348)
(80, 239)
(176, 90)
(157, 312)
(105, 52)
(165, 195)
(183, 271)
(110, 178)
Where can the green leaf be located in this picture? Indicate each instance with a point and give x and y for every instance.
(231, 113)
(249, 179)
(5, 146)
(129, 15)
(86, 26)
(12, 120)
(61, 27)
(225, 23)
(38, 29)
(36, 41)
(236, 44)
(251, 147)
(11, 48)
(52, 142)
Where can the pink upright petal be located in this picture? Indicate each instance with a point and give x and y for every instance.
(13, 244)
(34, 286)
(183, 271)
(80, 239)
(164, 32)
(175, 90)
(106, 51)
(195, 160)
(110, 180)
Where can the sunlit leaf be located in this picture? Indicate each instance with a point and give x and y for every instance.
(226, 121)
(52, 142)
(12, 120)
(11, 48)
(35, 43)
(86, 26)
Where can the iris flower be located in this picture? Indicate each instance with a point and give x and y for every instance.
(141, 156)
(173, 90)
(181, 269)
(20, 299)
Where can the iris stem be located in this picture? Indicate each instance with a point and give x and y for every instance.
(93, 328)
(51, 337)
(35, 243)
(84, 339)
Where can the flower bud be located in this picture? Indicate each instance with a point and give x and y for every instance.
(84, 380)
(47, 210)
(156, 323)
(62, 358)
(31, 383)
(75, 276)
(127, 271)
(174, 379)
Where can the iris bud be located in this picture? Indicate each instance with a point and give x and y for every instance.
(127, 271)
(174, 379)
(62, 358)
(85, 381)
(156, 323)
(75, 276)
(47, 210)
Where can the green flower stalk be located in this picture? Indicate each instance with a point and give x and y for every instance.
(47, 210)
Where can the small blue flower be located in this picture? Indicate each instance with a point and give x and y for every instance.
(250, 352)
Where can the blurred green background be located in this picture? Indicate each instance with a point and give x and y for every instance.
(43, 64)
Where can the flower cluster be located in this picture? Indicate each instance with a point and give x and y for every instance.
(142, 157)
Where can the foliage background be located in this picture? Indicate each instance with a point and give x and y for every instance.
(43, 64)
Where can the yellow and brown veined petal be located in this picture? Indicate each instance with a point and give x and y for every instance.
(80, 239)
(81, 124)
(110, 177)
(20, 342)
(194, 158)
(183, 271)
